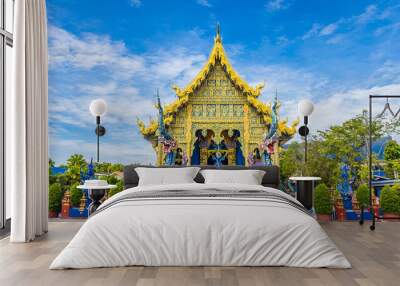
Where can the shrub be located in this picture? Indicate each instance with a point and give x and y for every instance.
(55, 197)
(362, 195)
(119, 188)
(76, 195)
(112, 180)
(322, 200)
(390, 199)
(336, 195)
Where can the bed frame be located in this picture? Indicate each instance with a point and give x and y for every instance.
(270, 179)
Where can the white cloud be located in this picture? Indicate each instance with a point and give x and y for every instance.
(390, 28)
(328, 29)
(336, 39)
(276, 5)
(340, 106)
(126, 152)
(312, 32)
(205, 3)
(135, 3)
(389, 71)
(353, 24)
(367, 16)
(91, 51)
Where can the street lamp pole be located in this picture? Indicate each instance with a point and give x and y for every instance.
(305, 108)
(98, 107)
(98, 137)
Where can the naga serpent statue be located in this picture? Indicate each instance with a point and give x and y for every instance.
(270, 138)
(165, 138)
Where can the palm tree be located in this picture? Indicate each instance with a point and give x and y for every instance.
(76, 160)
(76, 164)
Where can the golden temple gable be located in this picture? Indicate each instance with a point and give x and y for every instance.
(218, 119)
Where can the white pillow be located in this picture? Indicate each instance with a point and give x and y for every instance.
(166, 176)
(248, 177)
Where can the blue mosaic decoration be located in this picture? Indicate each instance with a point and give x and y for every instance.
(89, 175)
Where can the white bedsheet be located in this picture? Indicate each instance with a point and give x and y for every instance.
(211, 231)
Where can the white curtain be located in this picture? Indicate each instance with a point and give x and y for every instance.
(27, 123)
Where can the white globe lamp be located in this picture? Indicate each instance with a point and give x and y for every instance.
(98, 107)
(305, 107)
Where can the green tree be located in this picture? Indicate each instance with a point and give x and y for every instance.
(392, 157)
(77, 160)
(103, 168)
(322, 165)
(348, 142)
(291, 160)
(117, 167)
(76, 164)
(318, 163)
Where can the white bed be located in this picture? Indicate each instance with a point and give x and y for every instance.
(202, 231)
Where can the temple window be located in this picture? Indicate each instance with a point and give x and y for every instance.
(211, 110)
(197, 110)
(238, 110)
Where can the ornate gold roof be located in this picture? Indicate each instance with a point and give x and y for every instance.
(252, 93)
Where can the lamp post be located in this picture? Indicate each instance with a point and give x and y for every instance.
(98, 107)
(305, 108)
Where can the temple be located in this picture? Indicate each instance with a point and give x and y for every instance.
(218, 120)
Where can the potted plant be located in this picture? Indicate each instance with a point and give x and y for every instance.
(323, 203)
(55, 197)
(390, 201)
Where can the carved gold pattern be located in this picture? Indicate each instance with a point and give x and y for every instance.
(188, 133)
(246, 133)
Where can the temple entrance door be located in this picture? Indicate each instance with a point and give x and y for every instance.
(208, 150)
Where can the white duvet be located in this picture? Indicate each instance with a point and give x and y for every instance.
(200, 231)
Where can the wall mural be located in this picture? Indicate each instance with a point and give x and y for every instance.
(217, 120)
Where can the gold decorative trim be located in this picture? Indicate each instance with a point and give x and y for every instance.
(246, 132)
(188, 132)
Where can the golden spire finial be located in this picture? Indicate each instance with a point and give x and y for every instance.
(218, 30)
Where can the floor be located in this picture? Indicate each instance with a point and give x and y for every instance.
(375, 257)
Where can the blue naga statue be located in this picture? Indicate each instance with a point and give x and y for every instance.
(268, 145)
(345, 186)
(89, 175)
(169, 144)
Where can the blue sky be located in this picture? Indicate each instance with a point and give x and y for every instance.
(332, 52)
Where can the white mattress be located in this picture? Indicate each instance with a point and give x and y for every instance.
(200, 231)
